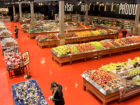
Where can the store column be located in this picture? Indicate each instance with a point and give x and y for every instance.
(20, 10)
(137, 18)
(32, 10)
(14, 13)
(61, 22)
(86, 14)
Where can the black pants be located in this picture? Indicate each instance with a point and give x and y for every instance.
(16, 35)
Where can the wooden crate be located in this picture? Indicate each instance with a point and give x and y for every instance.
(104, 98)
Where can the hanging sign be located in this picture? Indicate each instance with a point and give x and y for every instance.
(69, 7)
(25, 57)
(4, 10)
(128, 9)
(83, 8)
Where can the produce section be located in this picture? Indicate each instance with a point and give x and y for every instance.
(76, 37)
(118, 83)
(62, 54)
(101, 38)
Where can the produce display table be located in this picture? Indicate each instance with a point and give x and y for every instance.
(28, 93)
(48, 43)
(98, 53)
(104, 98)
(33, 35)
(73, 40)
(115, 81)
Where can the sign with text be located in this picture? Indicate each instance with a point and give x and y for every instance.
(128, 9)
(25, 57)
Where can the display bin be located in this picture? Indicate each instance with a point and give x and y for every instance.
(104, 98)
(74, 40)
(92, 54)
(33, 35)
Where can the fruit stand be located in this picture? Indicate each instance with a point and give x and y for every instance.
(105, 96)
(76, 37)
(56, 30)
(9, 45)
(14, 63)
(116, 81)
(70, 53)
(5, 34)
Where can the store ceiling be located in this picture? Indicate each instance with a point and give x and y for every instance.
(74, 1)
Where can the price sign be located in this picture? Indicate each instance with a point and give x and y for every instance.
(25, 57)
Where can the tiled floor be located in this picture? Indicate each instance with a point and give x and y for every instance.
(44, 71)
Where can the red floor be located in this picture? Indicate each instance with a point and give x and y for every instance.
(44, 70)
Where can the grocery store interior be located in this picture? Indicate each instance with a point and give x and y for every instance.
(69, 52)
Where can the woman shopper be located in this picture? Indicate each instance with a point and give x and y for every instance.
(57, 94)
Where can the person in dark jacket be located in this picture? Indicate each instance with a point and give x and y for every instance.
(57, 96)
(16, 32)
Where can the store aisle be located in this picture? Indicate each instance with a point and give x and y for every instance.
(44, 71)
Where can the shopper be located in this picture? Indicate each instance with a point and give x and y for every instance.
(57, 94)
(16, 32)
(124, 32)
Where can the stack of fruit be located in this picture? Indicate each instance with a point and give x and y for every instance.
(100, 45)
(50, 36)
(61, 50)
(107, 44)
(134, 72)
(104, 79)
(84, 47)
(13, 60)
(97, 45)
(73, 49)
(128, 64)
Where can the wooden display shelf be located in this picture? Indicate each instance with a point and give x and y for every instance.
(33, 35)
(131, 94)
(49, 43)
(104, 98)
(98, 54)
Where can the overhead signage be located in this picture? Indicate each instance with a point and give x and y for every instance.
(69, 7)
(128, 9)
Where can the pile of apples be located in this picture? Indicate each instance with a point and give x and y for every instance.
(101, 77)
(104, 79)
(84, 47)
(107, 44)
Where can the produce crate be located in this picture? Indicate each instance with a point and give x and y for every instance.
(104, 98)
